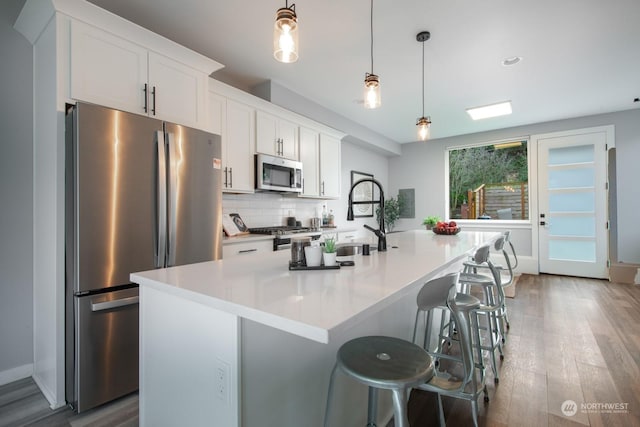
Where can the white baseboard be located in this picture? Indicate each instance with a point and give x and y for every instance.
(15, 374)
(527, 265)
(48, 394)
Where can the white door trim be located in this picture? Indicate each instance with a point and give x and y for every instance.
(609, 131)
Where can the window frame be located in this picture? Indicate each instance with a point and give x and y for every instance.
(531, 175)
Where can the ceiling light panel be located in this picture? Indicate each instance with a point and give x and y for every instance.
(488, 111)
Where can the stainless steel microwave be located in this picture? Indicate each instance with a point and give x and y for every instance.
(278, 174)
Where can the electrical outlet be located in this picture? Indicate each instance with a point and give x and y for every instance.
(222, 385)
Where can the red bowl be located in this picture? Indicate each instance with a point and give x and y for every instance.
(448, 231)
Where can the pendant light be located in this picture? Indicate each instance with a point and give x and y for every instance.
(285, 34)
(424, 122)
(371, 81)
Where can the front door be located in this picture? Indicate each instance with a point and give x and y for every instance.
(572, 202)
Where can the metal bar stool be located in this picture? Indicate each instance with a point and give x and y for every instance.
(382, 363)
(462, 307)
(491, 306)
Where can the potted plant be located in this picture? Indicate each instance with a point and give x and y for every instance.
(329, 253)
(431, 221)
(392, 208)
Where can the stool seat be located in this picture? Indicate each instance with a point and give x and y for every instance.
(467, 302)
(385, 362)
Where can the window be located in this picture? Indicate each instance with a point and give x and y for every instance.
(489, 181)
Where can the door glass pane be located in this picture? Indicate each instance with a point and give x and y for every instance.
(571, 178)
(572, 250)
(572, 202)
(571, 155)
(572, 226)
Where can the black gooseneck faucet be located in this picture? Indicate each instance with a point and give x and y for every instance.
(382, 237)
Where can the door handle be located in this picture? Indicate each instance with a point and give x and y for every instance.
(161, 207)
(145, 98)
(108, 305)
(230, 177)
(153, 94)
(172, 205)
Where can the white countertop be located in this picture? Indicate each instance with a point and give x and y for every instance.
(313, 304)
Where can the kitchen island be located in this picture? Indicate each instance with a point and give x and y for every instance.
(246, 342)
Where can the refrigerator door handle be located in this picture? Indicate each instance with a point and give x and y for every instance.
(161, 212)
(172, 190)
(108, 305)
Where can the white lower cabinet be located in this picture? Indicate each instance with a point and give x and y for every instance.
(246, 248)
(347, 236)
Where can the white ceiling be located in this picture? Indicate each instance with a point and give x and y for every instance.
(580, 57)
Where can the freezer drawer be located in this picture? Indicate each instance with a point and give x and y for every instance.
(106, 354)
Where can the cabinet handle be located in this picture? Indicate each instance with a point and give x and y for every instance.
(246, 251)
(153, 94)
(323, 188)
(145, 98)
(230, 177)
(303, 185)
(225, 177)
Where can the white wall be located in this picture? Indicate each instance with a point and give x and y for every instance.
(359, 159)
(16, 183)
(422, 166)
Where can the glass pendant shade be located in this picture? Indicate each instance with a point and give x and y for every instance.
(424, 125)
(371, 91)
(285, 35)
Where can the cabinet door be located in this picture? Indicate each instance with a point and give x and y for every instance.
(217, 113)
(177, 92)
(288, 134)
(107, 70)
(238, 148)
(310, 158)
(329, 166)
(267, 141)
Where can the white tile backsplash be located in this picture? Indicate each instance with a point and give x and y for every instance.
(270, 209)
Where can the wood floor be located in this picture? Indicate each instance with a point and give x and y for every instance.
(570, 339)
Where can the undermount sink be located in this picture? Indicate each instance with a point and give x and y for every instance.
(348, 249)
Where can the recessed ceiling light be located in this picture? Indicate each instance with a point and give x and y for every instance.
(507, 62)
(487, 111)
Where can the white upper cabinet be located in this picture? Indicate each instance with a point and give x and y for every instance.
(320, 157)
(114, 72)
(276, 136)
(310, 157)
(177, 92)
(107, 70)
(329, 166)
(238, 136)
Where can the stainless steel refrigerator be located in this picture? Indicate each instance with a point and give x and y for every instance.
(140, 194)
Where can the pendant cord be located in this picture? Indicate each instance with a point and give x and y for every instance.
(422, 79)
(371, 36)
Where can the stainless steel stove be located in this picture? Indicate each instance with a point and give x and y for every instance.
(283, 234)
